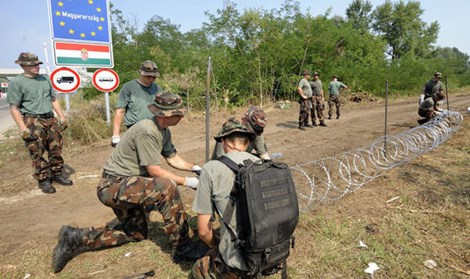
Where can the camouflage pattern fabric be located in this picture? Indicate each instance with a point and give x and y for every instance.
(306, 108)
(318, 105)
(45, 137)
(129, 197)
(334, 100)
(167, 104)
(28, 59)
(211, 266)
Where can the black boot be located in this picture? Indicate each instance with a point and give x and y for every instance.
(69, 245)
(46, 187)
(189, 251)
(61, 180)
(301, 126)
(322, 123)
(314, 123)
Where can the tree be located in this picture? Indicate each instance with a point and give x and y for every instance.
(400, 25)
(359, 15)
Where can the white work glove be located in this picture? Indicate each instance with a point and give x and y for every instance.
(196, 169)
(191, 182)
(115, 140)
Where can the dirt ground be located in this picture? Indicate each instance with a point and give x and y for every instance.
(31, 218)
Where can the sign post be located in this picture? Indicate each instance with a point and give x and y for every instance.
(106, 80)
(65, 80)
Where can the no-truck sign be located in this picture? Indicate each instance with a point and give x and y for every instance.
(65, 80)
(105, 80)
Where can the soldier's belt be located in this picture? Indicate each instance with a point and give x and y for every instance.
(42, 116)
(111, 177)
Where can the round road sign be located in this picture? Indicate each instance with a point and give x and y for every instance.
(65, 80)
(105, 80)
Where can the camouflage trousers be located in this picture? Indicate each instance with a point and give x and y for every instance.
(427, 113)
(48, 138)
(129, 197)
(318, 105)
(306, 108)
(334, 100)
(211, 266)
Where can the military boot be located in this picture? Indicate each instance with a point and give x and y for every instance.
(46, 187)
(301, 126)
(70, 245)
(61, 180)
(322, 123)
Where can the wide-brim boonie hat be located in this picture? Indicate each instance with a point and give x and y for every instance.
(149, 68)
(234, 125)
(306, 73)
(28, 59)
(167, 104)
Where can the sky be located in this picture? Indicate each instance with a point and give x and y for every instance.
(25, 23)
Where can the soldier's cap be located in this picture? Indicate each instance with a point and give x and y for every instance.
(28, 59)
(316, 74)
(438, 74)
(149, 68)
(334, 76)
(306, 73)
(167, 104)
(234, 125)
(256, 118)
(440, 96)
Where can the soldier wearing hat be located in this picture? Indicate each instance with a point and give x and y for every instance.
(32, 104)
(433, 86)
(255, 120)
(216, 182)
(305, 100)
(133, 98)
(429, 109)
(318, 100)
(133, 183)
(334, 88)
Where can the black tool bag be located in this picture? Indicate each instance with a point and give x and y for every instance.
(267, 214)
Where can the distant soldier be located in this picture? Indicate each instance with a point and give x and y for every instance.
(318, 100)
(428, 109)
(32, 102)
(305, 101)
(433, 86)
(334, 89)
(133, 183)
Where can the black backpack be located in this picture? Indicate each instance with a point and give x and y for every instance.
(267, 213)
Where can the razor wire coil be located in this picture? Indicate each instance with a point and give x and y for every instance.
(331, 178)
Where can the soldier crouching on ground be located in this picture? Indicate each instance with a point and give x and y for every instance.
(32, 102)
(134, 183)
(429, 107)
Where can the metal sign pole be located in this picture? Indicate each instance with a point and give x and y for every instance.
(447, 94)
(208, 88)
(108, 113)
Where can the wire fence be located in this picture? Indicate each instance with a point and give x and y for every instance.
(331, 178)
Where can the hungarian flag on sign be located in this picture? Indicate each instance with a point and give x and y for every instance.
(87, 55)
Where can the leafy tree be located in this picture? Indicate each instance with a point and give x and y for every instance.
(359, 15)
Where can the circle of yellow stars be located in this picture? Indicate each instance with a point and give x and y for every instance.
(71, 31)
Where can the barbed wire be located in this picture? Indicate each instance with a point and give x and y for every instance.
(331, 178)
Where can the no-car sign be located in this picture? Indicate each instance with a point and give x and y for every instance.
(65, 80)
(105, 80)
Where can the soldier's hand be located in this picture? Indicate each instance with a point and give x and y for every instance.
(115, 140)
(26, 135)
(196, 169)
(63, 124)
(191, 182)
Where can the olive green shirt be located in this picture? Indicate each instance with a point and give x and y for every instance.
(31, 95)
(317, 87)
(134, 98)
(334, 87)
(306, 89)
(141, 146)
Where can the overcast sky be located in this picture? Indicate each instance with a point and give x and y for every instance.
(25, 23)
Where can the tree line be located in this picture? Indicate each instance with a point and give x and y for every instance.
(259, 54)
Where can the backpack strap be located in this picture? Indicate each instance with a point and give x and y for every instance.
(226, 217)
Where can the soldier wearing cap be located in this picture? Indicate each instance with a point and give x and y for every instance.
(133, 183)
(133, 99)
(305, 101)
(334, 88)
(318, 100)
(32, 104)
(433, 86)
(216, 182)
(255, 121)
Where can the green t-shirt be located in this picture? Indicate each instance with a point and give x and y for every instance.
(140, 147)
(134, 98)
(335, 86)
(317, 87)
(31, 95)
(306, 89)
(432, 87)
(215, 183)
(425, 106)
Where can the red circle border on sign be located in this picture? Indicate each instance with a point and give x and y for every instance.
(95, 74)
(65, 69)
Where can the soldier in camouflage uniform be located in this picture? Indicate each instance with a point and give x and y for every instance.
(32, 102)
(318, 100)
(334, 88)
(133, 183)
(255, 120)
(305, 101)
(433, 86)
